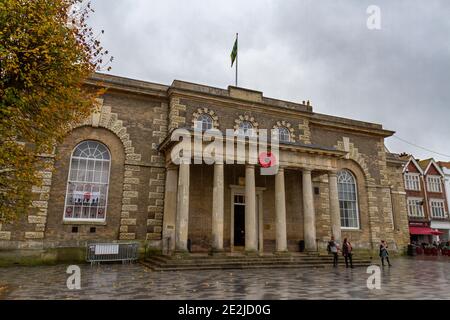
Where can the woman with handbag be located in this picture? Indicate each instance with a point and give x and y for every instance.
(333, 248)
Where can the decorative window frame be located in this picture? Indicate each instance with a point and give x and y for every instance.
(433, 181)
(409, 177)
(288, 126)
(71, 180)
(248, 118)
(441, 205)
(208, 112)
(416, 200)
(358, 218)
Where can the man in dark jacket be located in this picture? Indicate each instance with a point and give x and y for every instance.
(347, 253)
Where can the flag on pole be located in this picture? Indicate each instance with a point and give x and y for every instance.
(234, 52)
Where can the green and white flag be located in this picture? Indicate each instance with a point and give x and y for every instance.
(234, 52)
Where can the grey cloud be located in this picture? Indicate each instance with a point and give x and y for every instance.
(295, 50)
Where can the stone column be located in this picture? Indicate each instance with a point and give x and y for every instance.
(170, 208)
(181, 229)
(308, 212)
(250, 208)
(280, 211)
(334, 206)
(217, 208)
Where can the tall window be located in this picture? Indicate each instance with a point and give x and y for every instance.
(204, 122)
(245, 127)
(283, 134)
(415, 207)
(434, 184)
(87, 186)
(437, 208)
(348, 200)
(412, 181)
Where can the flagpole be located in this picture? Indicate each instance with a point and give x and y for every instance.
(237, 54)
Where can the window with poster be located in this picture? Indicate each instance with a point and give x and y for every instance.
(88, 181)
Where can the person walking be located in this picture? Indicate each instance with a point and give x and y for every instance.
(333, 249)
(384, 254)
(347, 253)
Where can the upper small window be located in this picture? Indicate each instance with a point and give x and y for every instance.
(415, 207)
(437, 208)
(87, 185)
(284, 135)
(434, 184)
(412, 181)
(245, 127)
(205, 122)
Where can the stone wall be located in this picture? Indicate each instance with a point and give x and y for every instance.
(133, 124)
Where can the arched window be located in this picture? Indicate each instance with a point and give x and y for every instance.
(205, 122)
(348, 199)
(245, 127)
(283, 134)
(87, 185)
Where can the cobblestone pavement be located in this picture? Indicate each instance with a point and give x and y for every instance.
(409, 278)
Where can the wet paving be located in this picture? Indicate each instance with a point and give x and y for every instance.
(409, 278)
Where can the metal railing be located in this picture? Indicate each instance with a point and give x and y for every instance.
(126, 252)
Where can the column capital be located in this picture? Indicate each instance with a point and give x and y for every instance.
(306, 170)
(249, 165)
(281, 169)
(332, 173)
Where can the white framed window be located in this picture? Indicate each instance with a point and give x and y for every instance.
(245, 128)
(88, 182)
(283, 134)
(412, 181)
(415, 207)
(437, 208)
(204, 122)
(434, 184)
(348, 200)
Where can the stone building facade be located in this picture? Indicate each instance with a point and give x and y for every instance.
(112, 177)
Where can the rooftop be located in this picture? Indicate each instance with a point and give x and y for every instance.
(235, 95)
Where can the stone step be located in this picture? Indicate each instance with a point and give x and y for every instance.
(189, 260)
(204, 263)
(169, 263)
(243, 266)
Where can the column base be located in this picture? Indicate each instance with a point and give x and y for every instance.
(217, 252)
(282, 253)
(180, 254)
(251, 253)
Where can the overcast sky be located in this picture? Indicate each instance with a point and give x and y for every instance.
(398, 76)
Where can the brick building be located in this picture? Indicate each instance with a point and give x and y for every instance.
(444, 226)
(426, 200)
(112, 177)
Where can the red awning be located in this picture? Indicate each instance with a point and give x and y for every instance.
(424, 231)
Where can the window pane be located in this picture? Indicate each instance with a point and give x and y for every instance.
(347, 199)
(87, 188)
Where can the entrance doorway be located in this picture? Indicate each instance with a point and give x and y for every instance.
(239, 220)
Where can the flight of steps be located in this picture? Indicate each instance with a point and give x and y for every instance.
(205, 262)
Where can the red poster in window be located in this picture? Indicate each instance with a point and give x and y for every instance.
(87, 196)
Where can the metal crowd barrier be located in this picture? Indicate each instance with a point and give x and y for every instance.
(126, 252)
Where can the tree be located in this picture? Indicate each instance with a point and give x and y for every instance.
(47, 51)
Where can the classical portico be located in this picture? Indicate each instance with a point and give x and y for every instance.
(305, 162)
